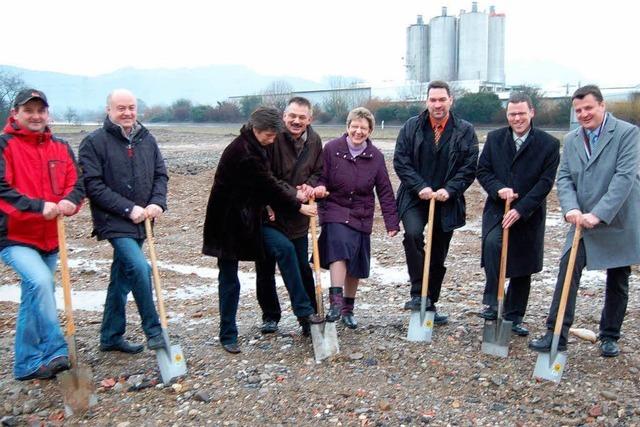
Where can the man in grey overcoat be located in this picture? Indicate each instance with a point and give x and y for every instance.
(518, 163)
(599, 189)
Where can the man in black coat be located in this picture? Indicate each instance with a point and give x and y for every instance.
(435, 157)
(296, 158)
(126, 182)
(518, 163)
(243, 186)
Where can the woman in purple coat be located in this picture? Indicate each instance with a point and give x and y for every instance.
(353, 168)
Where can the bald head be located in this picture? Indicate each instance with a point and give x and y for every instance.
(122, 108)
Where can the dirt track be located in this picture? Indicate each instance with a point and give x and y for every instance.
(378, 379)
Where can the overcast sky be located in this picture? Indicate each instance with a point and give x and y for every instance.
(594, 41)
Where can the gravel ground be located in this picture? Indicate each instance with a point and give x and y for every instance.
(379, 378)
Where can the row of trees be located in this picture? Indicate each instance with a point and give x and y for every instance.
(478, 108)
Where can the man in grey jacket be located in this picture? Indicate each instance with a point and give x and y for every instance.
(599, 189)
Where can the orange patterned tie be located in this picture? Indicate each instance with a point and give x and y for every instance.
(437, 133)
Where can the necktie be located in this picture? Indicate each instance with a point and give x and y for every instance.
(593, 139)
(437, 134)
(518, 142)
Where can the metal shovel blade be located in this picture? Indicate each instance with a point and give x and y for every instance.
(171, 361)
(325, 340)
(548, 368)
(496, 337)
(77, 390)
(76, 384)
(421, 328)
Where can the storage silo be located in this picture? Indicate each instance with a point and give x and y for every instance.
(473, 44)
(442, 47)
(417, 59)
(495, 72)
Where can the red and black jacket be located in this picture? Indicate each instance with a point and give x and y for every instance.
(34, 168)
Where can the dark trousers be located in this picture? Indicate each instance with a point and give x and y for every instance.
(130, 272)
(615, 299)
(228, 296)
(414, 222)
(292, 259)
(517, 296)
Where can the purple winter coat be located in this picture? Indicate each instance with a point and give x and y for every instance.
(350, 183)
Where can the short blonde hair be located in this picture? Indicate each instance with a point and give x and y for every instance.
(361, 113)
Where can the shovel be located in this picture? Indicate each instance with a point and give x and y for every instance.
(421, 322)
(550, 366)
(323, 335)
(76, 383)
(171, 360)
(497, 333)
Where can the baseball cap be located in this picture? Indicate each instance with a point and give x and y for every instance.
(27, 95)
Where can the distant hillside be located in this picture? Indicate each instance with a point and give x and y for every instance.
(204, 85)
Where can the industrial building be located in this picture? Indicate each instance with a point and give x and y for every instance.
(467, 49)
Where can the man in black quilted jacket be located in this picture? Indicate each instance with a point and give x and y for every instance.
(126, 182)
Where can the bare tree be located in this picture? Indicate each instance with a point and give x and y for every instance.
(277, 94)
(71, 116)
(10, 85)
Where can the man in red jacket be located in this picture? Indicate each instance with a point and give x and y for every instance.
(38, 182)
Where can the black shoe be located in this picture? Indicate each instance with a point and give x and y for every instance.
(306, 329)
(306, 321)
(43, 373)
(519, 330)
(440, 319)
(232, 348)
(123, 346)
(349, 320)
(489, 313)
(269, 327)
(59, 364)
(609, 348)
(413, 304)
(155, 343)
(543, 344)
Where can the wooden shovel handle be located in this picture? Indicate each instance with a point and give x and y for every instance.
(156, 275)
(316, 259)
(503, 260)
(427, 252)
(65, 276)
(567, 280)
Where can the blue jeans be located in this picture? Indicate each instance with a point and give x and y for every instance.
(228, 298)
(291, 256)
(130, 272)
(39, 338)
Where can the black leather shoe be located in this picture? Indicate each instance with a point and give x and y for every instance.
(519, 330)
(609, 348)
(349, 320)
(440, 319)
(43, 373)
(269, 327)
(489, 313)
(306, 329)
(123, 346)
(543, 344)
(59, 364)
(232, 348)
(413, 304)
(305, 324)
(155, 343)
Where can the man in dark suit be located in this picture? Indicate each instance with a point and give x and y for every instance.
(518, 163)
